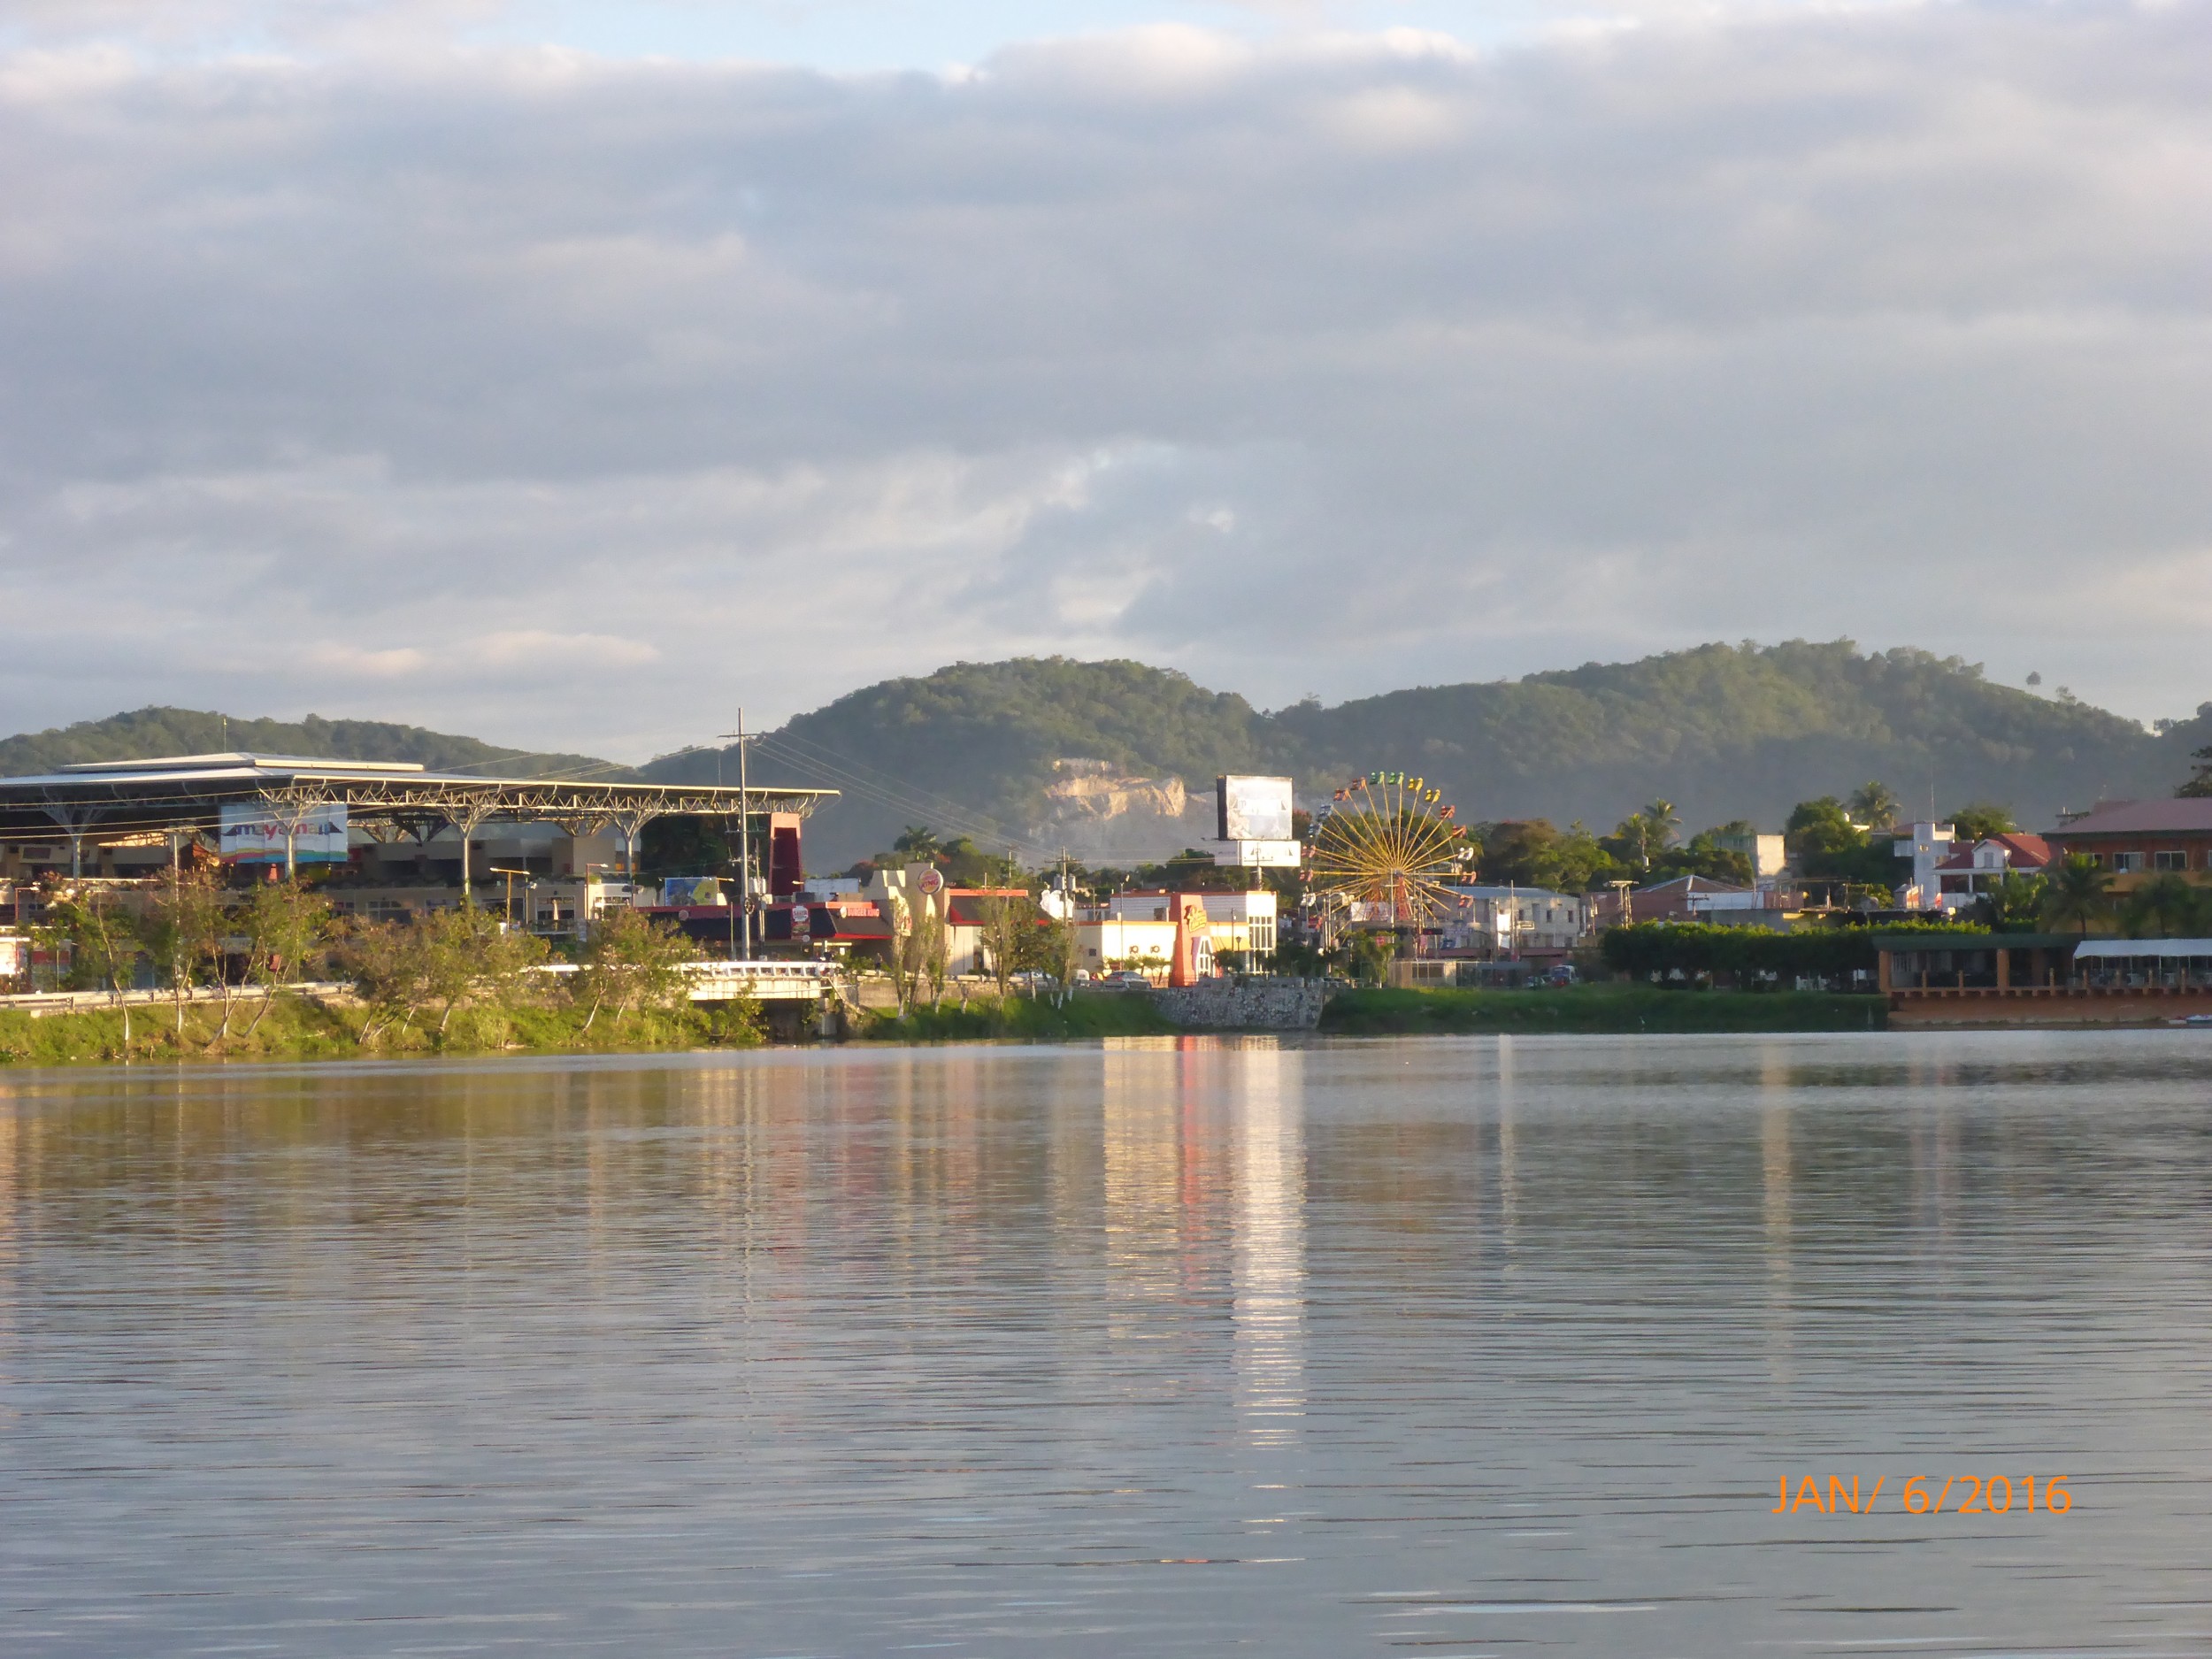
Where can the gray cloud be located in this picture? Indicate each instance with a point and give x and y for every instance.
(572, 400)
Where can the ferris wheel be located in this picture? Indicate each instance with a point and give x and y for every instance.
(1384, 849)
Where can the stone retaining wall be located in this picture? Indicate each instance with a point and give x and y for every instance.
(1246, 1005)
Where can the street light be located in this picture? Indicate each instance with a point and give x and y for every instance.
(510, 875)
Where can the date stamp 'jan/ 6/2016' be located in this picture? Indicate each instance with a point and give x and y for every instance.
(1920, 1495)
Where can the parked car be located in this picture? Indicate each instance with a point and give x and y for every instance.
(1127, 980)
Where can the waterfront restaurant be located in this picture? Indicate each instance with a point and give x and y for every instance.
(2041, 978)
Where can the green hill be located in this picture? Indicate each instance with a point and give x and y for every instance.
(1724, 731)
(150, 732)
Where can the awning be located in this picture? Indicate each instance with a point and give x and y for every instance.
(2123, 948)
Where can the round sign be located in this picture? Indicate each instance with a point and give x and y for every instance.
(932, 880)
(801, 921)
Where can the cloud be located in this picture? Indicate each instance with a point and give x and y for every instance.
(571, 400)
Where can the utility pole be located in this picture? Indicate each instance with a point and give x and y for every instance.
(1628, 908)
(744, 850)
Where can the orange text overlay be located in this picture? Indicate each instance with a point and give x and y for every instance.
(1926, 1494)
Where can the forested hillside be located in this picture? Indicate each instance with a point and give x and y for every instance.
(1723, 732)
(1729, 732)
(148, 732)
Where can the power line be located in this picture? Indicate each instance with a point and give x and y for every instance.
(904, 800)
(925, 799)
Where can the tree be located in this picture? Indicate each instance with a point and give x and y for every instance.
(104, 941)
(1826, 845)
(2200, 784)
(454, 958)
(1660, 824)
(920, 950)
(1630, 843)
(2013, 903)
(966, 864)
(1007, 919)
(1532, 853)
(390, 964)
(2167, 907)
(1705, 857)
(919, 843)
(1875, 805)
(284, 923)
(1978, 821)
(2077, 893)
(185, 927)
(632, 962)
(1055, 949)
(1371, 953)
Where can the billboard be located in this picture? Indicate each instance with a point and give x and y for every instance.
(254, 833)
(1253, 809)
(1260, 855)
(702, 891)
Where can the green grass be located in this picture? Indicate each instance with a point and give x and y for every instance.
(1018, 1019)
(1598, 1008)
(297, 1029)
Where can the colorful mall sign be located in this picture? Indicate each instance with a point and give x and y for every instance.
(254, 834)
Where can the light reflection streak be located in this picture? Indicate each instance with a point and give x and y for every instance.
(1271, 1245)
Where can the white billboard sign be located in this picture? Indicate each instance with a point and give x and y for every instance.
(1260, 855)
(254, 834)
(1254, 809)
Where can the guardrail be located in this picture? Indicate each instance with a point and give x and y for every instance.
(762, 981)
(714, 981)
(70, 1001)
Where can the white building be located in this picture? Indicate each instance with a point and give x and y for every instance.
(1106, 943)
(1137, 930)
(1929, 845)
(1508, 921)
(1234, 921)
(1767, 853)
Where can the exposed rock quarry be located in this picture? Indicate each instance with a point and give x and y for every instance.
(1102, 815)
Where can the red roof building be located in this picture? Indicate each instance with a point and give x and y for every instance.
(1972, 869)
(2138, 839)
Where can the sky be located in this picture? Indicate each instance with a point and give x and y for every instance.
(570, 374)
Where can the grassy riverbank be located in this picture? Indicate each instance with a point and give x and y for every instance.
(1020, 1019)
(1597, 1008)
(295, 1029)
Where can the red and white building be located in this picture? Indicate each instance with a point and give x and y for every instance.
(1972, 868)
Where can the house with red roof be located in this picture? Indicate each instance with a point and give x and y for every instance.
(1974, 867)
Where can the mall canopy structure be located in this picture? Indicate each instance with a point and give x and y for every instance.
(115, 802)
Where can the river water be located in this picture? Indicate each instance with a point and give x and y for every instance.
(1434, 1346)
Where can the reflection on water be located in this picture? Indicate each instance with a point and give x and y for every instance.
(1476, 1346)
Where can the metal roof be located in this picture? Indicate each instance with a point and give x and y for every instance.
(2123, 948)
(112, 800)
(2178, 815)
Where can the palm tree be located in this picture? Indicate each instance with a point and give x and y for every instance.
(918, 843)
(1634, 835)
(2077, 893)
(1659, 816)
(1873, 803)
(2164, 907)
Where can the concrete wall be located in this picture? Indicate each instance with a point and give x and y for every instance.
(1246, 1005)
